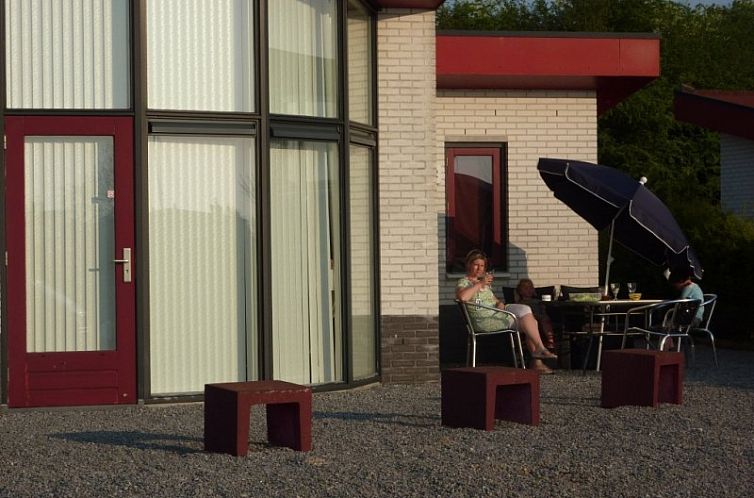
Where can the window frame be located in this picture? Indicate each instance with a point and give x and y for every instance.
(498, 256)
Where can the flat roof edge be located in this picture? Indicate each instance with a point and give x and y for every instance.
(548, 34)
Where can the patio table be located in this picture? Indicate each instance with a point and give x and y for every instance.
(597, 313)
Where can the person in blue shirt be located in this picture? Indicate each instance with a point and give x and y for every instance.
(680, 279)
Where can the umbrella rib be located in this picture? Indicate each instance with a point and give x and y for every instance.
(574, 182)
(653, 232)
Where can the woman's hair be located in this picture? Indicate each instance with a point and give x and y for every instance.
(522, 282)
(475, 254)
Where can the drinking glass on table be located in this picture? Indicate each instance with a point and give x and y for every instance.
(614, 289)
(631, 286)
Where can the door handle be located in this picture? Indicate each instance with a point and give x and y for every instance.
(126, 262)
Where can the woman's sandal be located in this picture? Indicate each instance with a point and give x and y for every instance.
(543, 355)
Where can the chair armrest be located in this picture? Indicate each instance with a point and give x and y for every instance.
(468, 304)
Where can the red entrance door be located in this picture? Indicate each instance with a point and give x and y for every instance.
(70, 241)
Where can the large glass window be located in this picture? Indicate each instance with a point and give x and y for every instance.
(476, 208)
(67, 54)
(360, 64)
(200, 55)
(202, 262)
(305, 266)
(361, 235)
(303, 57)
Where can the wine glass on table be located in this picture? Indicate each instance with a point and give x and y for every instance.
(631, 286)
(614, 289)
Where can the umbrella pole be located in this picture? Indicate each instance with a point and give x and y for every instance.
(609, 261)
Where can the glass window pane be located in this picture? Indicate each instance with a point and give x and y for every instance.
(202, 262)
(70, 280)
(200, 55)
(359, 64)
(67, 54)
(361, 235)
(305, 237)
(303, 57)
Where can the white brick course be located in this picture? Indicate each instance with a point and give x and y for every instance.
(548, 242)
(407, 151)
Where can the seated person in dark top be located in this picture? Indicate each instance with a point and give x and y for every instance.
(528, 295)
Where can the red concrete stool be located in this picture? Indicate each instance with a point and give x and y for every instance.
(641, 377)
(226, 415)
(475, 397)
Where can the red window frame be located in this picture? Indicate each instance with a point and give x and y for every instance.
(479, 229)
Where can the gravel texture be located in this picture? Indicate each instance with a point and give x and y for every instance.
(388, 441)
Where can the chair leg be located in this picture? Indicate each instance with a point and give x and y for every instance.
(520, 351)
(599, 353)
(712, 341)
(473, 351)
(513, 351)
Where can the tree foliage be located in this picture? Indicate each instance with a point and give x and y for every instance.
(706, 47)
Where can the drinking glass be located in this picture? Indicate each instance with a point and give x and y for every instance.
(614, 289)
(631, 286)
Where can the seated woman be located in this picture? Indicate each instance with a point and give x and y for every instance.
(528, 295)
(475, 286)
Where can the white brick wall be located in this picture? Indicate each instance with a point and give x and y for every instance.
(548, 242)
(407, 156)
(737, 175)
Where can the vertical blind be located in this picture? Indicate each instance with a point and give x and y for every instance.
(202, 262)
(303, 57)
(68, 213)
(306, 331)
(200, 55)
(67, 54)
(362, 262)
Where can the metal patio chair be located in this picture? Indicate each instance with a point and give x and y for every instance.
(467, 310)
(709, 303)
(674, 316)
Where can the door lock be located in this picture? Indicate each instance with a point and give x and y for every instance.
(126, 262)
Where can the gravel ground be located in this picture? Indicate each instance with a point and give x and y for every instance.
(388, 441)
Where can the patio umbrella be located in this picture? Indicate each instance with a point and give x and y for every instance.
(637, 219)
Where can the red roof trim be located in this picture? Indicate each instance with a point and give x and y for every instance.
(613, 66)
(721, 111)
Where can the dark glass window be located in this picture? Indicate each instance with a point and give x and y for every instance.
(476, 208)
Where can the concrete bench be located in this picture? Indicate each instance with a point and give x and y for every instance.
(642, 377)
(227, 407)
(475, 397)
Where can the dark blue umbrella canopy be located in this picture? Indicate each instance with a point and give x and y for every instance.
(603, 195)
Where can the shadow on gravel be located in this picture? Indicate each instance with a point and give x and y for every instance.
(134, 439)
(388, 418)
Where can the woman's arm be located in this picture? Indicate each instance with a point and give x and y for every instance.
(466, 293)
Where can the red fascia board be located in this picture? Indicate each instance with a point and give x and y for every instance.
(614, 66)
(496, 56)
(715, 114)
(743, 98)
(409, 4)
